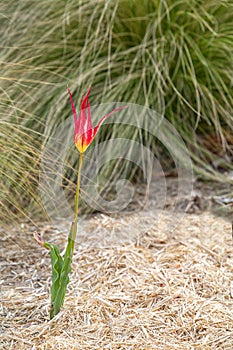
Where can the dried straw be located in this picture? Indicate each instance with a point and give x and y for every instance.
(146, 289)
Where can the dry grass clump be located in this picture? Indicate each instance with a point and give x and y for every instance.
(146, 289)
(174, 56)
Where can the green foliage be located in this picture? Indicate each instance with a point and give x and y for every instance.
(175, 56)
(60, 275)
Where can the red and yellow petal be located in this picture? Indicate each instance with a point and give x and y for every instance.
(84, 141)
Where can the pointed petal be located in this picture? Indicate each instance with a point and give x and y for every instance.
(84, 122)
(85, 100)
(105, 117)
(76, 120)
(89, 121)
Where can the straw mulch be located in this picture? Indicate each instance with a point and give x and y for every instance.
(133, 285)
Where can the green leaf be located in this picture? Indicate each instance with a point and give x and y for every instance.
(63, 280)
(60, 274)
(57, 263)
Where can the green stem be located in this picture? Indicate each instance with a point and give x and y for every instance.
(62, 267)
(73, 232)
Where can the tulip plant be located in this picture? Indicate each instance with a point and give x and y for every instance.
(84, 134)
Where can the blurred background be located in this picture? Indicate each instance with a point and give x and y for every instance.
(173, 56)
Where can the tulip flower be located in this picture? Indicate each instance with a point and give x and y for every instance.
(84, 133)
